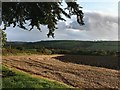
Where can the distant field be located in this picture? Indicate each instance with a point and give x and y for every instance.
(110, 62)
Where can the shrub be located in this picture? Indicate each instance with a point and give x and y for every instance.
(47, 51)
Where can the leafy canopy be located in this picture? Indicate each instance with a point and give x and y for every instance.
(38, 13)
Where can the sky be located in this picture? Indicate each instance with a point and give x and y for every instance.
(101, 23)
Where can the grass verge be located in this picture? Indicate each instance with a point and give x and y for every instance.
(16, 79)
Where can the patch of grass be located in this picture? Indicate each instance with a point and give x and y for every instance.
(17, 79)
(14, 52)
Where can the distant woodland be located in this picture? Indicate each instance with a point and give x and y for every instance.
(63, 47)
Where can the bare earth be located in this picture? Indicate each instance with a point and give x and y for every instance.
(76, 75)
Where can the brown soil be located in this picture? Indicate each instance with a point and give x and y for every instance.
(76, 75)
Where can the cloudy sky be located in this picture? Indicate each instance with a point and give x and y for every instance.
(101, 23)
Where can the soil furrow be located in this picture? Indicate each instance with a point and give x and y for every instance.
(76, 75)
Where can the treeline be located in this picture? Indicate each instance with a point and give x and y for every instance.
(47, 51)
(63, 47)
(20, 50)
(87, 52)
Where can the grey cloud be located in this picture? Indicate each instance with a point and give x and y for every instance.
(97, 26)
(17, 34)
(94, 20)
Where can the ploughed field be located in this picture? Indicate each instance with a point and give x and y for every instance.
(72, 70)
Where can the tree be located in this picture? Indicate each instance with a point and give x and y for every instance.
(38, 13)
(2, 37)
